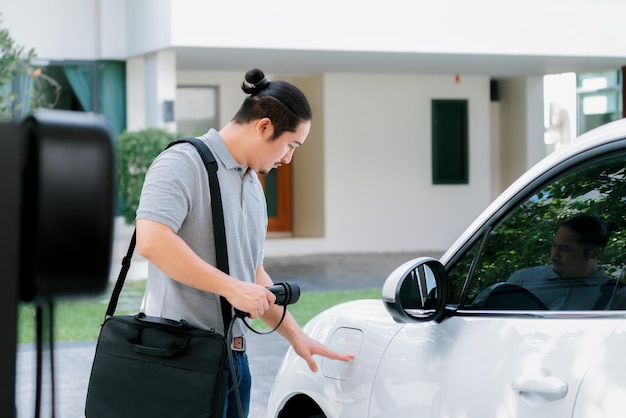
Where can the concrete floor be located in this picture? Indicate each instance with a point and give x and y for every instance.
(320, 272)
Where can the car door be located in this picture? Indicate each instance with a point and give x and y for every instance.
(514, 358)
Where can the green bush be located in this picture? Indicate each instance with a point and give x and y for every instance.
(136, 151)
(14, 63)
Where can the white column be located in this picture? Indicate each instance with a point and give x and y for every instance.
(135, 94)
(521, 126)
(535, 129)
(160, 87)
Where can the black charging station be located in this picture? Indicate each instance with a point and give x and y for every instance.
(58, 190)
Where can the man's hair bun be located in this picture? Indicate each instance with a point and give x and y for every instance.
(254, 82)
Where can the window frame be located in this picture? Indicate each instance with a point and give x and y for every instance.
(444, 145)
(481, 233)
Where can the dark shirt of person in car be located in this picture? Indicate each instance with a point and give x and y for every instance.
(575, 281)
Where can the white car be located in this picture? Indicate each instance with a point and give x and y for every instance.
(451, 338)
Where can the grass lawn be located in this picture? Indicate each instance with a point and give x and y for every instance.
(80, 320)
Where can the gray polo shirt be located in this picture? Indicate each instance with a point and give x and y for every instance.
(176, 193)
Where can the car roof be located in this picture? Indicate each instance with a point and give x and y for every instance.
(605, 134)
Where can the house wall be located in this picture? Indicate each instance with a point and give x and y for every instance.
(308, 162)
(521, 126)
(474, 27)
(378, 189)
(363, 181)
(63, 29)
(229, 85)
(378, 161)
(307, 168)
(495, 163)
(148, 25)
(111, 29)
(135, 94)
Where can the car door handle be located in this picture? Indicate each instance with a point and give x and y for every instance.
(549, 388)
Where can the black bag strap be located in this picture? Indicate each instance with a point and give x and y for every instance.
(217, 210)
(219, 230)
(122, 276)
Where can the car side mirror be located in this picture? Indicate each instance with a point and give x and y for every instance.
(416, 291)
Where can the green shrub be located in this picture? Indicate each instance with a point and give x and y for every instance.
(14, 64)
(136, 151)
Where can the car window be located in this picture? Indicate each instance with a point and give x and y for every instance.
(511, 265)
(458, 275)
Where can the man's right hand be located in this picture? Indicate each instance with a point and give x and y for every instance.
(251, 298)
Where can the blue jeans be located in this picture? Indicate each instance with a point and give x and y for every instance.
(244, 379)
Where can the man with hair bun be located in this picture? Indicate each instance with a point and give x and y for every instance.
(175, 225)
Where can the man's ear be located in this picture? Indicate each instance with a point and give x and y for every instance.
(595, 252)
(264, 128)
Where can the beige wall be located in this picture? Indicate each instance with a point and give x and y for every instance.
(229, 84)
(362, 181)
(522, 128)
(496, 149)
(308, 176)
(378, 193)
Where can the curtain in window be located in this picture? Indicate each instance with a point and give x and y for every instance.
(22, 86)
(112, 100)
(5, 101)
(112, 91)
(79, 78)
(24, 91)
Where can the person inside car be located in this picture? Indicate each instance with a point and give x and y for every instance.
(575, 280)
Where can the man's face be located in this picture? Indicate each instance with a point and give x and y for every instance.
(568, 256)
(272, 153)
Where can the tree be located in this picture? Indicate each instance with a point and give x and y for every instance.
(15, 64)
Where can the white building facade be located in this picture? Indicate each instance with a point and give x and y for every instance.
(364, 181)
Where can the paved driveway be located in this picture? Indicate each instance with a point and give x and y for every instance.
(73, 364)
(324, 272)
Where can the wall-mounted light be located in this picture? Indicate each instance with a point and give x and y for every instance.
(168, 111)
